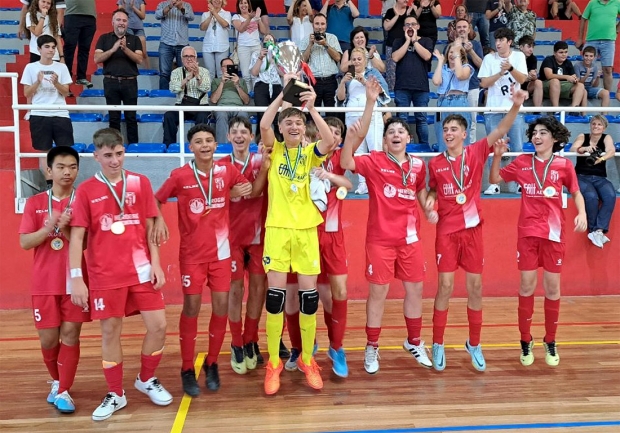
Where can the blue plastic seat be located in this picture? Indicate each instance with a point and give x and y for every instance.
(282, 28)
(10, 35)
(418, 148)
(90, 148)
(146, 148)
(143, 93)
(85, 117)
(92, 93)
(480, 118)
(253, 147)
(576, 119)
(224, 148)
(195, 39)
(153, 38)
(8, 52)
(567, 147)
(148, 71)
(106, 117)
(176, 148)
(152, 118)
(617, 147)
(194, 26)
(153, 53)
(529, 147)
(99, 71)
(79, 147)
(9, 22)
(162, 94)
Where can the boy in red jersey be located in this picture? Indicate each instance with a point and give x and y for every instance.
(45, 227)
(202, 188)
(455, 181)
(541, 225)
(118, 210)
(393, 249)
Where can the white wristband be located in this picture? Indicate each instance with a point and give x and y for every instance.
(76, 273)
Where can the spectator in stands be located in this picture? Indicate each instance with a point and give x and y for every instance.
(412, 55)
(460, 13)
(80, 25)
(473, 48)
(563, 9)
(268, 84)
(597, 190)
(588, 73)
(521, 21)
(215, 45)
(340, 17)
(175, 16)
(42, 19)
(298, 17)
(249, 27)
(21, 32)
(559, 78)
(532, 84)
(322, 52)
(120, 53)
(386, 5)
(427, 12)
(451, 77)
(191, 83)
(352, 93)
(136, 9)
(602, 34)
(47, 83)
(228, 91)
(359, 38)
(264, 14)
(496, 14)
(500, 73)
(477, 11)
(394, 24)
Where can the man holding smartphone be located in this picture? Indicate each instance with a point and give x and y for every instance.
(228, 91)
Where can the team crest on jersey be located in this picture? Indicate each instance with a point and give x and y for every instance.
(255, 173)
(196, 206)
(554, 175)
(413, 177)
(219, 183)
(266, 260)
(389, 190)
(130, 198)
(466, 171)
(106, 222)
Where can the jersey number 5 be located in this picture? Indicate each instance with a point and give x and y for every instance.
(186, 281)
(37, 315)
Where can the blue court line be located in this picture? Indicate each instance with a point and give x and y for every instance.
(492, 427)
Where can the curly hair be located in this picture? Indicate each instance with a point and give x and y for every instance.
(558, 131)
(52, 14)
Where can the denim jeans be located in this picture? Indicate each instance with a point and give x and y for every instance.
(167, 53)
(451, 101)
(515, 133)
(481, 22)
(405, 98)
(600, 198)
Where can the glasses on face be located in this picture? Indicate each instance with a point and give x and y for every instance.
(407, 25)
(189, 57)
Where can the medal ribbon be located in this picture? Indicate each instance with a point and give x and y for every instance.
(536, 178)
(459, 182)
(202, 190)
(119, 201)
(49, 207)
(245, 164)
(293, 169)
(402, 172)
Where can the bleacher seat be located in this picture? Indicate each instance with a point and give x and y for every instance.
(418, 148)
(152, 118)
(153, 38)
(253, 147)
(529, 147)
(148, 71)
(576, 119)
(567, 147)
(224, 148)
(156, 93)
(85, 117)
(79, 147)
(106, 117)
(143, 93)
(618, 147)
(92, 93)
(9, 52)
(90, 148)
(176, 148)
(9, 23)
(146, 148)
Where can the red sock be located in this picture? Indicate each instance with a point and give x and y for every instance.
(50, 358)
(188, 330)
(474, 317)
(217, 331)
(414, 329)
(440, 320)
(236, 333)
(250, 330)
(328, 322)
(525, 313)
(372, 336)
(294, 333)
(148, 365)
(114, 378)
(68, 359)
(339, 322)
(552, 314)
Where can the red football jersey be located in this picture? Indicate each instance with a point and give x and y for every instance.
(454, 217)
(50, 268)
(541, 216)
(115, 261)
(393, 218)
(332, 217)
(204, 237)
(246, 216)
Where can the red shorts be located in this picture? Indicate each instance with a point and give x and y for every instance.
(462, 248)
(405, 262)
(216, 275)
(125, 301)
(534, 252)
(49, 311)
(248, 258)
(333, 255)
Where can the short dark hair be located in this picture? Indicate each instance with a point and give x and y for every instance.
(560, 45)
(456, 21)
(107, 137)
(527, 40)
(334, 122)
(396, 119)
(456, 118)
(224, 59)
(122, 11)
(589, 49)
(62, 151)
(559, 132)
(200, 127)
(504, 32)
(46, 39)
(240, 119)
(319, 15)
(355, 31)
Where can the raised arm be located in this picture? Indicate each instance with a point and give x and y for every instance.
(518, 97)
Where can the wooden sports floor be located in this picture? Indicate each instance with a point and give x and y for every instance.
(582, 394)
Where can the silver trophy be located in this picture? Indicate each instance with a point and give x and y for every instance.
(287, 58)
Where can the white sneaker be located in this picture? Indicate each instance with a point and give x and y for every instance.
(156, 392)
(362, 188)
(605, 238)
(418, 352)
(371, 359)
(493, 189)
(110, 404)
(53, 391)
(595, 239)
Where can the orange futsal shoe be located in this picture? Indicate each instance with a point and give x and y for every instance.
(313, 377)
(272, 378)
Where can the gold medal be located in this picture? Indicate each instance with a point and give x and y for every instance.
(461, 199)
(549, 192)
(57, 244)
(341, 193)
(206, 212)
(118, 228)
